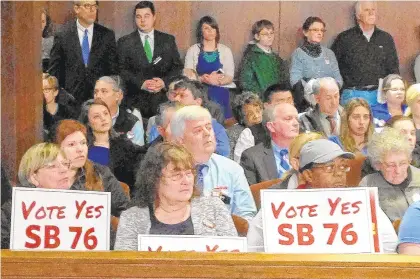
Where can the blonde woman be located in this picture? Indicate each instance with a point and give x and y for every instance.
(413, 102)
(42, 166)
(356, 127)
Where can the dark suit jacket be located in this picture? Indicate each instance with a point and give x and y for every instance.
(259, 163)
(66, 62)
(135, 68)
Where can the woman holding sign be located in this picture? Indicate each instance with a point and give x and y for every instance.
(42, 166)
(168, 202)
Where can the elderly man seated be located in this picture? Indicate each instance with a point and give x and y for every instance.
(217, 176)
(398, 182)
(326, 116)
(323, 164)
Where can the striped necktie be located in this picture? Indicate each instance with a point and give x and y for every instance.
(283, 162)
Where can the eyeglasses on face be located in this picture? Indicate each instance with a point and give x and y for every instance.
(89, 6)
(318, 30)
(270, 34)
(177, 176)
(329, 168)
(55, 166)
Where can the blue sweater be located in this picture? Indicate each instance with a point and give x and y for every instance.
(307, 67)
(381, 114)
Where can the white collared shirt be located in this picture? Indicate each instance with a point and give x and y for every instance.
(81, 33)
(151, 35)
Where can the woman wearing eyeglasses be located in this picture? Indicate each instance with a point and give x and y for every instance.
(390, 100)
(169, 203)
(398, 183)
(261, 67)
(42, 166)
(312, 60)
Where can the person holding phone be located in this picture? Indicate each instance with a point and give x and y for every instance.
(213, 62)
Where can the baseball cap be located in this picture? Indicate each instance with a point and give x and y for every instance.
(321, 151)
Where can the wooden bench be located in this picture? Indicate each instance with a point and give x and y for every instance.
(205, 265)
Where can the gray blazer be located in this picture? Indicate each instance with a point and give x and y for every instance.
(310, 121)
(259, 163)
(209, 217)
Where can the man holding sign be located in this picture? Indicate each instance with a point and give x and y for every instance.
(323, 165)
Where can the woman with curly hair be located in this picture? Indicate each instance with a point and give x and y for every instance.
(168, 202)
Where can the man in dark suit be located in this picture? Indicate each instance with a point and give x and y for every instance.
(148, 59)
(82, 52)
(270, 160)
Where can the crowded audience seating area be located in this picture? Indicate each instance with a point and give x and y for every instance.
(180, 152)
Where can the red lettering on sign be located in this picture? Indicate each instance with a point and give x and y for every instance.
(291, 212)
(89, 211)
(334, 229)
(304, 233)
(51, 237)
(312, 211)
(33, 236)
(276, 211)
(333, 205)
(356, 206)
(79, 208)
(347, 236)
(40, 213)
(98, 210)
(157, 250)
(289, 236)
(345, 208)
(26, 211)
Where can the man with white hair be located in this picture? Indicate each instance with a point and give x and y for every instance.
(326, 116)
(364, 54)
(270, 159)
(216, 175)
(108, 89)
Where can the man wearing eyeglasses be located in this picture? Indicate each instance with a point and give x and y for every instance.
(83, 51)
(365, 54)
(323, 165)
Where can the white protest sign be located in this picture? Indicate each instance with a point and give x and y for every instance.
(195, 243)
(339, 220)
(64, 220)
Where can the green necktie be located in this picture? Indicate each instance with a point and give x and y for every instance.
(148, 49)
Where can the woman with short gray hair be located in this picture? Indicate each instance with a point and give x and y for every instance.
(398, 183)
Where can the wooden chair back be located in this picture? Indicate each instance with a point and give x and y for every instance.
(354, 176)
(256, 188)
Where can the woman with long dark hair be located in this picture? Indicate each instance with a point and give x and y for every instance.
(213, 62)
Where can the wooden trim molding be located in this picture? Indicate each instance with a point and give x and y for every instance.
(205, 265)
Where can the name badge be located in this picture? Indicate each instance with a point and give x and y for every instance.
(327, 61)
(157, 60)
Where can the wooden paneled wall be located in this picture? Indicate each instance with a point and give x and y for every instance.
(235, 18)
(21, 84)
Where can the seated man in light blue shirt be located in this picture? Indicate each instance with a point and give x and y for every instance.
(270, 160)
(409, 231)
(187, 94)
(216, 175)
(108, 89)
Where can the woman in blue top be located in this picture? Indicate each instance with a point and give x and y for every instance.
(106, 147)
(356, 127)
(390, 100)
(213, 62)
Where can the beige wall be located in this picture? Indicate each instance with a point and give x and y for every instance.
(235, 18)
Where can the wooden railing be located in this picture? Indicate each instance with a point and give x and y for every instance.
(205, 265)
